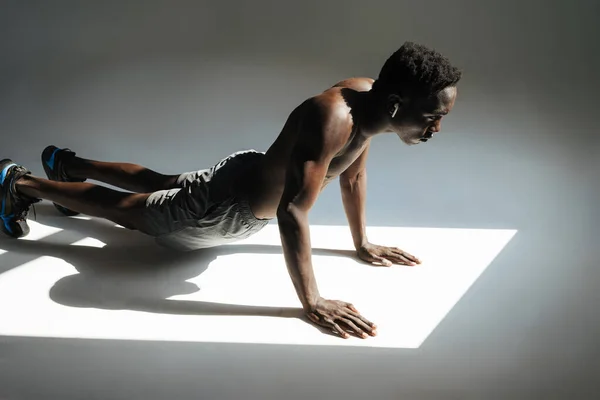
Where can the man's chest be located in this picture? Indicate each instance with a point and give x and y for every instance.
(343, 160)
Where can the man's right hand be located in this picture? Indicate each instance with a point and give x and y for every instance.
(341, 318)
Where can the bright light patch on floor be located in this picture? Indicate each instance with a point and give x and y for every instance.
(82, 217)
(40, 231)
(89, 242)
(245, 295)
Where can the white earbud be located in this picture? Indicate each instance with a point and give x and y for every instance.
(396, 106)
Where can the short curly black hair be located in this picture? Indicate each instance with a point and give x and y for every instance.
(416, 69)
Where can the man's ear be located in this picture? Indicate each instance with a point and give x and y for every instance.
(394, 104)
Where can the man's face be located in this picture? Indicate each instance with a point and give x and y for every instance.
(420, 118)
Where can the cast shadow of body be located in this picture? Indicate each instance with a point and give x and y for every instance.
(131, 272)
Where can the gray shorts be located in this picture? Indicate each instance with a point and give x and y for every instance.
(206, 211)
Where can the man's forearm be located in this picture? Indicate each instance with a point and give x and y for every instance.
(295, 239)
(354, 197)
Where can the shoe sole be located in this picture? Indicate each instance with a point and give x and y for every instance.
(48, 165)
(23, 226)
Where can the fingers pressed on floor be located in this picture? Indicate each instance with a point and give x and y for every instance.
(358, 331)
(361, 324)
(337, 329)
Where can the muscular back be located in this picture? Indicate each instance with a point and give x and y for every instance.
(322, 126)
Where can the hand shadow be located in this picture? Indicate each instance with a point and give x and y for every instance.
(131, 272)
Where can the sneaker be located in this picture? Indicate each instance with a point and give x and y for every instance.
(53, 160)
(14, 207)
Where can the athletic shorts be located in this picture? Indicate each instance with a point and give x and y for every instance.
(206, 210)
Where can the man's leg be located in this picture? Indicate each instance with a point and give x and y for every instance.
(132, 177)
(125, 209)
(66, 166)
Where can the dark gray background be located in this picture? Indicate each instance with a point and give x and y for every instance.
(177, 85)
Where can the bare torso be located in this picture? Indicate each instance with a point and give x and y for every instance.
(265, 183)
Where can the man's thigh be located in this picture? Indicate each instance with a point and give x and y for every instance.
(205, 211)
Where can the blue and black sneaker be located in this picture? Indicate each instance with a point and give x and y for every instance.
(14, 207)
(53, 160)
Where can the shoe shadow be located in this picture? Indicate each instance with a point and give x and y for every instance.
(131, 272)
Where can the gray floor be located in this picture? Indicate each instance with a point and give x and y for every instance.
(179, 87)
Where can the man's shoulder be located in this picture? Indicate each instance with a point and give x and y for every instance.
(326, 121)
(331, 103)
(328, 107)
(360, 84)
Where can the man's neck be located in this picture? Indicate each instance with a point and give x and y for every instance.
(368, 112)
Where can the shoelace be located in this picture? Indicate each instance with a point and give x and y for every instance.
(22, 215)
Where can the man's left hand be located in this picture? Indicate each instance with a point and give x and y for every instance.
(386, 256)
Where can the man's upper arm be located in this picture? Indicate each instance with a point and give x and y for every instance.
(309, 163)
(306, 171)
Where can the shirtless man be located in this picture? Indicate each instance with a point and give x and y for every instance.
(325, 137)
